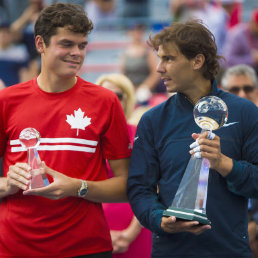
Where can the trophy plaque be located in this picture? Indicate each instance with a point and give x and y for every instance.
(210, 113)
(30, 139)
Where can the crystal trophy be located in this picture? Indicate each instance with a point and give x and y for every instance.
(30, 139)
(210, 113)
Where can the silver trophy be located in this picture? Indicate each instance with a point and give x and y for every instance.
(210, 113)
(30, 139)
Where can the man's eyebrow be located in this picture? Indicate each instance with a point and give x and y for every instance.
(71, 41)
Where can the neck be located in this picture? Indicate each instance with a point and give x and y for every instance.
(55, 84)
(199, 90)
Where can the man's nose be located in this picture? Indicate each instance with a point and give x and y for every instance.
(75, 51)
(242, 93)
(160, 68)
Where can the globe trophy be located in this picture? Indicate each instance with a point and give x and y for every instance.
(210, 113)
(30, 139)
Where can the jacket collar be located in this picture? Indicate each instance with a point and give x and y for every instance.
(182, 99)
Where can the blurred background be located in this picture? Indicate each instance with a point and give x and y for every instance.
(114, 19)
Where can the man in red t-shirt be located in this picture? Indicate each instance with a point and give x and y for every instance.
(81, 125)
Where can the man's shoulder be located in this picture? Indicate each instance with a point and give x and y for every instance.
(240, 109)
(87, 86)
(159, 113)
(236, 102)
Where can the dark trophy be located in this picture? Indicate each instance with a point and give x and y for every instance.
(210, 113)
(30, 139)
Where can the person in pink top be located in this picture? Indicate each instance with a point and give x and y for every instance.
(129, 238)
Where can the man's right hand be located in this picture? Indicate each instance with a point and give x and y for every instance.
(171, 225)
(18, 177)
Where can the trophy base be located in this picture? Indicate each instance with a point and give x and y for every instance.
(187, 214)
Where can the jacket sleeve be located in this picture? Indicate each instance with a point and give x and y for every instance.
(143, 179)
(243, 179)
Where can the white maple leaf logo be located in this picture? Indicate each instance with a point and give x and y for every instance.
(77, 121)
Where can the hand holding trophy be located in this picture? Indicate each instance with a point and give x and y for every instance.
(210, 113)
(30, 139)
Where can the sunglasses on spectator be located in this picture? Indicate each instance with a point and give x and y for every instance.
(119, 95)
(246, 88)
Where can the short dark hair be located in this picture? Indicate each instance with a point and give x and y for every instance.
(60, 15)
(191, 38)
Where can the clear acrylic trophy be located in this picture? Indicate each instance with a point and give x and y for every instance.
(30, 139)
(210, 113)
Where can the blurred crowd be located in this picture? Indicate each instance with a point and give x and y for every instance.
(136, 83)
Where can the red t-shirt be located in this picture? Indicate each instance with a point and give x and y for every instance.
(79, 129)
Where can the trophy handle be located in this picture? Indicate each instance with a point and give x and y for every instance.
(200, 204)
(39, 178)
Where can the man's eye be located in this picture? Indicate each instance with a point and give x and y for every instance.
(82, 46)
(66, 44)
(167, 58)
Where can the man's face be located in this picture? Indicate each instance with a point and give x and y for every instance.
(65, 54)
(175, 69)
(242, 86)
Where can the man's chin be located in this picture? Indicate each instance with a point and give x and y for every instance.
(171, 89)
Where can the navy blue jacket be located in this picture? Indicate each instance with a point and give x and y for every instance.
(160, 156)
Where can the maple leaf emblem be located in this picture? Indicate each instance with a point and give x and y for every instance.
(77, 121)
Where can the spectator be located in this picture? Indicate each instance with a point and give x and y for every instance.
(65, 218)
(138, 63)
(101, 12)
(241, 45)
(128, 236)
(213, 16)
(188, 65)
(241, 80)
(23, 29)
(234, 11)
(136, 9)
(14, 58)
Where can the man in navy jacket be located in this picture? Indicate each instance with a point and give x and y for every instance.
(188, 65)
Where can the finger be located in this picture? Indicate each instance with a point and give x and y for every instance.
(194, 144)
(195, 136)
(197, 149)
(197, 230)
(45, 190)
(18, 175)
(20, 168)
(24, 166)
(204, 148)
(15, 183)
(169, 220)
(197, 155)
(35, 193)
(213, 143)
(208, 136)
(211, 135)
(191, 224)
(48, 170)
(210, 156)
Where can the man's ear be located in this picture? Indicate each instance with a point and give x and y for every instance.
(40, 45)
(198, 61)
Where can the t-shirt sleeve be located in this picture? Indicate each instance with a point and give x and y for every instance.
(115, 140)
